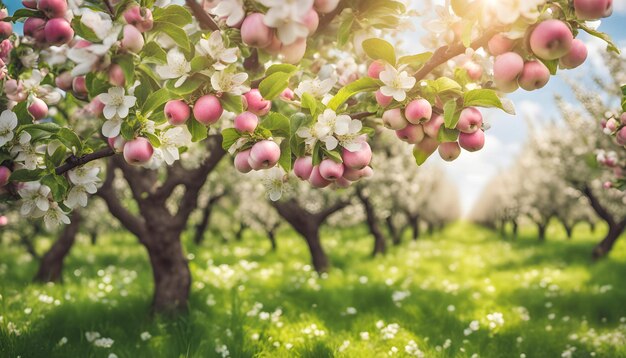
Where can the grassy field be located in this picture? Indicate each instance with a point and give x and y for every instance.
(460, 293)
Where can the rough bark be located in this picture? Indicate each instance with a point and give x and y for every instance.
(380, 242)
(157, 229)
(51, 264)
(307, 225)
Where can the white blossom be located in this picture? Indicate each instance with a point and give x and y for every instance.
(111, 127)
(8, 122)
(34, 198)
(171, 140)
(214, 48)
(177, 67)
(55, 216)
(232, 10)
(25, 153)
(316, 87)
(116, 102)
(223, 81)
(397, 83)
(286, 16)
(273, 180)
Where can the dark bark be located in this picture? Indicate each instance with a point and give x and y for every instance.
(616, 228)
(239, 233)
(158, 229)
(307, 225)
(593, 226)
(271, 235)
(414, 222)
(396, 236)
(51, 264)
(206, 218)
(541, 231)
(430, 227)
(380, 242)
(568, 231)
(604, 247)
(93, 236)
(515, 229)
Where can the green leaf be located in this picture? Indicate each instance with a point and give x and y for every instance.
(96, 85)
(415, 61)
(308, 101)
(56, 158)
(189, 86)
(445, 84)
(378, 49)
(610, 45)
(365, 84)
(552, 65)
(317, 153)
(154, 140)
(450, 117)
(274, 84)
(58, 185)
(22, 13)
(69, 139)
(333, 155)
(482, 98)
(174, 14)
(175, 32)
(282, 67)
(127, 64)
(343, 35)
(232, 103)
(285, 155)
(23, 117)
(156, 99)
(25, 175)
(153, 53)
(127, 131)
(421, 156)
(229, 137)
(83, 31)
(447, 135)
(277, 123)
(297, 120)
(42, 130)
(200, 63)
(198, 130)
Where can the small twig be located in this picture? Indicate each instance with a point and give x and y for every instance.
(74, 161)
(205, 21)
(361, 115)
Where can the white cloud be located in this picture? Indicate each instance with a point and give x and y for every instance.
(619, 6)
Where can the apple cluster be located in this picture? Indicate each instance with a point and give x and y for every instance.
(53, 29)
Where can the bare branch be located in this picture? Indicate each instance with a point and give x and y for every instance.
(205, 21)
(74, 161)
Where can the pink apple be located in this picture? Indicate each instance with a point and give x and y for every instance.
(6, 29)
(470, 120)
(393, 119)
(254, 102)
(31, 4)
(383, 100)
(138, 151)
(593, 9)
(506, 69)
(535, 75)
(38, 109)
(499, 44)
(287, 95)
(449, 151)
(246, 122)
(413, 133)
(357, 174)
(64, 81)
(5, 173)
(621, 136)
(293, 53)
(623, 118)
(311, 20)
(375, 69)
(132, 40)
(325, 6)
(264, 155)
(53, 8)
(359, 159)
(254, 32)
(242, 161)
(551, 39)
(330, 169)
(303, 167)
(177, 112)
(117, 143)
(58, 31)
(207, 109)
(95, 107)
(274, 46)
(34, 27)
(472, 142)
(342, 183)
(431, 128)
(418, 111)
(576, 55)
(79, 86)
(116, 75)
(316, 179)
(139, 17)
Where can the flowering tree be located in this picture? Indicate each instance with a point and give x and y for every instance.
(153, 78)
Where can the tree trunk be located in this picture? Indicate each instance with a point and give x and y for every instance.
(203, 224)
(318, 256)
(396, 237)
(515, 229)
(430, 227)
(503, 229)
(592, 226)
(240, 231)
(604, 247)
(541, 228)
(172, 278)
(372, 223)
(568, 231)
(415, 227)
(51, 265)
(93, 236)
(271, 234)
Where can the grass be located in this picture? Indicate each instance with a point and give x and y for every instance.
(253, 302)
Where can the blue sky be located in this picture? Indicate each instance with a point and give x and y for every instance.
(507, 134)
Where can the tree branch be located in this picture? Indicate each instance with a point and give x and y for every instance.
(107, 3)
(324, 214)
(445, 53)
(205, 21)
(597, 206)
(74, 161)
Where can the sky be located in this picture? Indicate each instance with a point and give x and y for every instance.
(472, 171)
